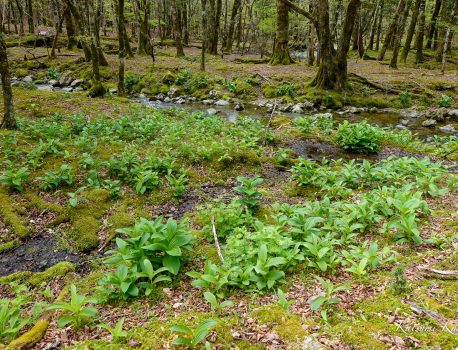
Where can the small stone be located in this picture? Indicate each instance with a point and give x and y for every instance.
(429, 123)
(297, 108)
(213, 93)
(27, 79)
(172, 92)
(404, 122)
(167, 99)
(192, 99)
(453, 113)
(222, 103)
(67, 89)
(208, 102)
(309, 343)
(112, 91)
(212, 111)
(160, 97)
(239, 107)
(352, 110)
(53, 82)
(180, 101)
(76, 82)
(449, 129)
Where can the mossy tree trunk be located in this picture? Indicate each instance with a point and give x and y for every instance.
(230, 35)
(398, 35)
(122, 51)
(30, 17)
(213, 30)
(70, 27)
(411, 31)
(177, 29)
(432, 25)
(204, 35)
(9, 121)
(419, 56)
(389, 37)
(280, 54)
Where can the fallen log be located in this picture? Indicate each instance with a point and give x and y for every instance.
(440, 274)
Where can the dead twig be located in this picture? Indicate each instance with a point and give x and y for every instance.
(215, 236)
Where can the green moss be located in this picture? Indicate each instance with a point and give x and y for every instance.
(20, 276)
(31, 337)
(243, 89)
(59, 269)
(12, 215)
(168, 78)
(280, 120)
(269, 91)
(287, 325)
(9, 246)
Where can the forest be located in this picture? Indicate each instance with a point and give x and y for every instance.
(228, 174)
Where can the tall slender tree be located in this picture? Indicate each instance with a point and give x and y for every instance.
(122, 50)
(9, 121)
(419, 56)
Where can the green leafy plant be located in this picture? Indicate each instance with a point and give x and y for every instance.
(230, 86)
(304, 124)
(178, 183)
(215, 304)
(445, 101)
(117, 333)
(213, 278)
(54, 179)
(76, 312)
(15, 179)
(192, 337)
(326, 300)
(248, 190)
(286, 89)
(53, 73)
(183, 77)
(11, 318)
(399, 284)
(74, 198)
(406, 99)
(282, 301)
(358, 137)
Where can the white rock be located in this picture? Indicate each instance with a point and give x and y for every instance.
(212, 111)
(429, 123)
(76, 82)
(450, 129)
(222, 103)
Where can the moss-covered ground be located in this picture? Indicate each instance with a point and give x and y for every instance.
(110, 144)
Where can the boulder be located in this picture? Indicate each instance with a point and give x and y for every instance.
(172, 91)
(180, 101)
(208, 101)
(53, 83)
(453, 114)
(429, 123)
(160, 97)
(212, 111)
(168, 78)
(27, 79)
(167, 99)
(222, 103)
(449, 129)
(76, 82)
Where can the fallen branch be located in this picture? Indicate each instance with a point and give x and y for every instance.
(215, 236)
(264, 78)
(440, 274)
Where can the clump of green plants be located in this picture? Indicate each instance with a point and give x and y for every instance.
(183, 77)
(399, 284)
(12, 318)
(326, 301)
(192, 337)
(248, 189)
(76, 312)
(53, 73)
(286, 90)
(304, 124)
(131, 81)
(54, 179)
(282, 301)
(117, 333)
(358, 137)
(406, 99)
(151, 250)
(445, 101)
(15, 179)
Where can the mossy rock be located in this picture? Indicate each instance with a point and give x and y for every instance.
(31, 337)
(280, 120)
(12, 214)
(243, 89)
(60, 269)
(269, 91)
(169, 78)
(97, 90)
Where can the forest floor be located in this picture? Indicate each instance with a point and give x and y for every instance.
(122, 161)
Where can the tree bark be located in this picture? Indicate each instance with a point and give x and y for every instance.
(399, 34)
(280, 54)
(230, 35)
(419, 57)
(177, 27)
(30, 17)
(215, 14)
(204, 35)
(122, 51)
(432, 26)
(70, 28)
(9, 121)
(442, 50)
(411, 31)
(392, 30)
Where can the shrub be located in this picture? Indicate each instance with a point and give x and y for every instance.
(406, 99)
(15, 179)
(445, 101)
(183, 77)
(358, 137)
(286, 89)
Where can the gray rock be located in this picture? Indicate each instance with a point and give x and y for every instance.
(44, 87)
(67, 89)
(222, 103)
(239, 107)
(76, 82)
(400, 126)
(307, 105)
(214, 93)
(212, 111)
(297, 108)
(322, 115)
(429, 123)
(180, 101)
(160, 97)
(27, 79)
(310, 343)
(78, 89)
(450, 129)
(172, 91)
(352, 110)
(53, 82)
(167, 99)
(453, 114)
(192, 99)
(373, 110)
(208, 101)
(286, 108)
(404, 122)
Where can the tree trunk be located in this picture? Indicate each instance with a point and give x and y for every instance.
(8, 122)
(280, 53)
(177, 27)
(215, 14)
(310, 46)
(419, 57)
(370, 46)
(30, 17)
(443, 43)
(58, 30)
(230, 35)
(432, 26)
(70, 27)
(399, 34)
(332, 73)
(204, 35)
(392, 30)
(442, 30)
(379, 26)
(411, 31)
(122, 51)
